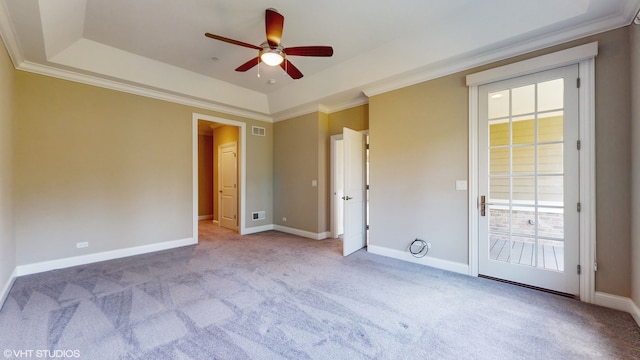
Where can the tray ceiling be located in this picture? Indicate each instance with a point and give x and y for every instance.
(158, 48)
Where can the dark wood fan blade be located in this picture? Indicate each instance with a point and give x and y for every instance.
(309, 51)
(231, 41)
(249, 64)
(274, 22)
(293, 71)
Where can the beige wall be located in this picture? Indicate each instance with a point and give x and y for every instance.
(355, 118)
(302, 154)
(324, 156)
(205, 175)
(613, 164)
(260, 168)
(106, 167)
(418, 138)
(7, 241)
(113, 169)
(98, 166)
(635, 156)
(296, 163)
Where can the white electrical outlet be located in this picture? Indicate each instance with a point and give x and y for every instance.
(284, 219)
(81, 245)
(461, 184)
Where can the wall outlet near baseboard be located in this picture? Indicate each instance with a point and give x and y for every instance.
(81, 245)
(284, 219)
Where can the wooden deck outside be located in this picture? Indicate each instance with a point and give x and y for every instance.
(550, 256)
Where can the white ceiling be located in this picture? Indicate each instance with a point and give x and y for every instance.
(157, 47)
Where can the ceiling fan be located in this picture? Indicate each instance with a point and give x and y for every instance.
(271, 52)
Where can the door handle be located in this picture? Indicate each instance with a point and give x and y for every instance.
(347, 198)
(483, 205)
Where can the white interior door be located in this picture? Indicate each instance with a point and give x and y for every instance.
(529, 180)
(228, 185)
(354, 198)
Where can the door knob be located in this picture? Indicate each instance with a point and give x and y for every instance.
(347, 198)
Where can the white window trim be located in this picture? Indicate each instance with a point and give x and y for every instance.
(584, 56)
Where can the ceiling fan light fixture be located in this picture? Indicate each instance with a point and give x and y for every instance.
(272, 57)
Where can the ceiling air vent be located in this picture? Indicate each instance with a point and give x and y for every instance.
(258, 131)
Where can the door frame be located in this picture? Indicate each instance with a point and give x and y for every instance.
(334, 181)
(242, 161)
(333, 203)
(584, 56)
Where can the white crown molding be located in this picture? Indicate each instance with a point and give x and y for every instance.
(468, 61)
(15, 52)
(435, 71)
(633, 9)
(8, 36)
(312, 108)
(348, 105)
(299, 111)
(557, 59)
(138, 90)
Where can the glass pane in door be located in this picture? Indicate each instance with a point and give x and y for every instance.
(526, 175)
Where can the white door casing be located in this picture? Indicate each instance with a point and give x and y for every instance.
(354, 191)
(228, 185)
(584, 56)
(337, 186)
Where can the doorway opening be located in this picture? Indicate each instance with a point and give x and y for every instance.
(218, 172)
(338, 193)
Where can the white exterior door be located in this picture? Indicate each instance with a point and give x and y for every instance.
(354, 198)
(228, 185)
(529, 180)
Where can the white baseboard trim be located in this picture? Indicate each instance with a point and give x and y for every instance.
(618, 303)
(205, 217)
(7, 288)
(429, 261)
(101, 256)
(635, 312)
(303, 233)
(257, 229)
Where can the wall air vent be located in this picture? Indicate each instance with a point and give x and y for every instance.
(258, 131)
(258, 215)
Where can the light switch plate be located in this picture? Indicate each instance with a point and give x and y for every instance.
(314, 183)
(461, 184)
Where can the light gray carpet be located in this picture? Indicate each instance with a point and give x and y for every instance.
(273, 295)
